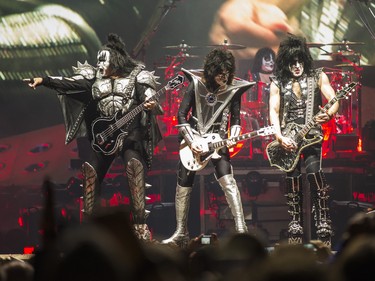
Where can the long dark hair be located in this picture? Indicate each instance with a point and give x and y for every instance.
(290, 48)
(260, 54)
(216, 62)
(120, 61)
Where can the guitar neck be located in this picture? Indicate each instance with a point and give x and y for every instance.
(222, 143)
(126, 118)
(312, 122)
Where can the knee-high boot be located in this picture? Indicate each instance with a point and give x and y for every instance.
(294, 198)
(90, 189)
(182, 203)
(136, 179)
(319, 194)
(229, 186)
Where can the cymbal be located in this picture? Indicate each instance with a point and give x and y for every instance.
(345, 43)
(253, 105)
(346, 65)
(165, 67)
(313, 44)
(342, 53)
(181, 46)
(227, 46)
(183, 55)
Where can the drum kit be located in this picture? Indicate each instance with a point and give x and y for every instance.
(255, 107)
(171, 67)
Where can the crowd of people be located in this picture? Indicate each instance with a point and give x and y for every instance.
(116, 244)
(105, 248)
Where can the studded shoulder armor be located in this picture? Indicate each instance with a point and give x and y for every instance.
(86, 70)
(148, 78)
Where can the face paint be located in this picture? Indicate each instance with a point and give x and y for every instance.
(296, 68)
(103, 63)
(268, 63)
(222, 79)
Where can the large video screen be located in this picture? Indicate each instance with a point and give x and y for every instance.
(40, 38)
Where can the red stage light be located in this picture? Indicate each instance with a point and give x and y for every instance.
(28, 250)
(234, 150)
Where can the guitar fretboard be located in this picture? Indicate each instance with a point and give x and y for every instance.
(302, 133)
(122, 121)
(223, 143)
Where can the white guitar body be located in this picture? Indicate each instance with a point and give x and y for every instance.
(197, 162)
(211, 143)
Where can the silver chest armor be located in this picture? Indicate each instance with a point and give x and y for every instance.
(210, 106)
(111, 95)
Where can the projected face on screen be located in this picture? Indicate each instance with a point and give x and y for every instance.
(268, 63)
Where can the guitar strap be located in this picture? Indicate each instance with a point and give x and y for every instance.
(310, 99)
(132, 76)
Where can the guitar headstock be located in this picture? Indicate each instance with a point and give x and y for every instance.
(175, 82)
(346, 90)
(266, 131)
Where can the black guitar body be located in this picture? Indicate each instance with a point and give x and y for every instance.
(288, 160)
(106, 137)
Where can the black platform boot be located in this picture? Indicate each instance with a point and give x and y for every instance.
(319, 194)
(294, 198)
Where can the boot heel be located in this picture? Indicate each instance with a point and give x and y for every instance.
(183, 242)
(179, 240)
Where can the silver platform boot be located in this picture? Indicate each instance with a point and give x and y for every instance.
(229, 186)
(182, 203)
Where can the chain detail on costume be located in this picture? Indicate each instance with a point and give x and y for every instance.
(294, 198)
(320, 196)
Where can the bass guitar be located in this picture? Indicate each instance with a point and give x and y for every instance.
(211, 143)
(108, 132)
(287, 160)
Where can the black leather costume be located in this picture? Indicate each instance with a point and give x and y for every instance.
(210, 113)
(81, 97)
(300, 110)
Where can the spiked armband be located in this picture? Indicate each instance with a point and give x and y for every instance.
(235, 131)
(186, 132)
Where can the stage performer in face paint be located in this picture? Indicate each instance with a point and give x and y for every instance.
(93, 99)
(214, 99)
(295, 99)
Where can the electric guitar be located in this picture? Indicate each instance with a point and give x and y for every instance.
(287, 160)
(211, 143)
(108, 132)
